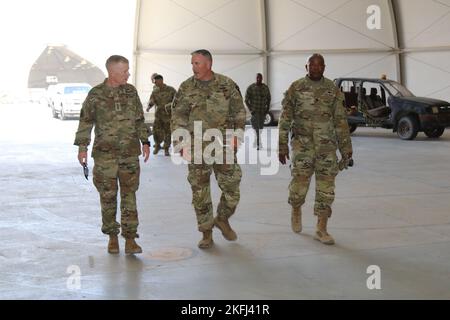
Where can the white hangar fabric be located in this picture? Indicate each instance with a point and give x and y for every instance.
(359, 38)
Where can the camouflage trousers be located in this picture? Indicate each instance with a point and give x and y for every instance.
(305, 163)
(228, 177)
(161, 132)
(107, 174)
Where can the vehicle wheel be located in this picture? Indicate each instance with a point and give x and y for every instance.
(434, 133)
(269, 119)
(352, 128)
(54, 114)
(407, 128)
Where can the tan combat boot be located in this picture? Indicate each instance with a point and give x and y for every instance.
(156, 149)
(131, 246)
(113, 244)
(321, 233)
(207, 241)
(296, 220)
(225, 227)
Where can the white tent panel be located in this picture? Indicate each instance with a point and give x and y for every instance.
(189, 25)
(424, 23)
(428, 74)
(160, 19)
(285, 20)
(301, 25)
(288, 68)
(355, 18)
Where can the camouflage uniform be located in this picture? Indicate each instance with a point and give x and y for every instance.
(314, 112)
(217, 104)
(118, 117)
(162, 98)
(257, 99)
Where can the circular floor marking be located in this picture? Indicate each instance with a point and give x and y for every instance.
(170, 254)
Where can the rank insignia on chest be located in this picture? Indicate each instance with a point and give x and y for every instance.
(117, 106)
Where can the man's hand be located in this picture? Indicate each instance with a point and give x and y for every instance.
(283, 153)
(282, 157)
(346, 161)
(146, 151)
(82, 157)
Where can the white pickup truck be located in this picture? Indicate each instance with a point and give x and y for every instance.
(67, 99)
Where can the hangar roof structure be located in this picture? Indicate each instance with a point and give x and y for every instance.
(361, 38)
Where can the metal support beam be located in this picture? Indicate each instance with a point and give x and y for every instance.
(264, 28)
(136, 40)
(395, 30)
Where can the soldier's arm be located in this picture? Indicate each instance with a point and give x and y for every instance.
(238, 109)
(168, 106)
(285, 122)
(142, 129)
(179, 119)
(180, 110)
(85, 125)
(341, 126)
(151, 102)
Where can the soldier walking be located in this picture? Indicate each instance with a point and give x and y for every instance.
(214, 101)
(114, 108)
(161, 97)
(314, 112)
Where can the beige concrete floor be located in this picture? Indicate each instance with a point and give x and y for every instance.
(391, 210)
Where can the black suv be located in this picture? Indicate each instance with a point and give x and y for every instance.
(388, 104)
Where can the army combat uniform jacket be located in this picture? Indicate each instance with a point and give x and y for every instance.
(118, 117)
(217, 104)
(162, 98)
(314, 112)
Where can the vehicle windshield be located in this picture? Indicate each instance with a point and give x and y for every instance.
(76, 90)
(397, 89)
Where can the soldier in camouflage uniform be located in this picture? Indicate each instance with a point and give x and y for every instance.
(215, 101)
(115, 110)
(162, 97)
(314, 112)
(257, 99)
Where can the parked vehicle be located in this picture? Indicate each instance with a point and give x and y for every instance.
(51, 91)
(68, 99)
(271, 119)
(388, 104)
